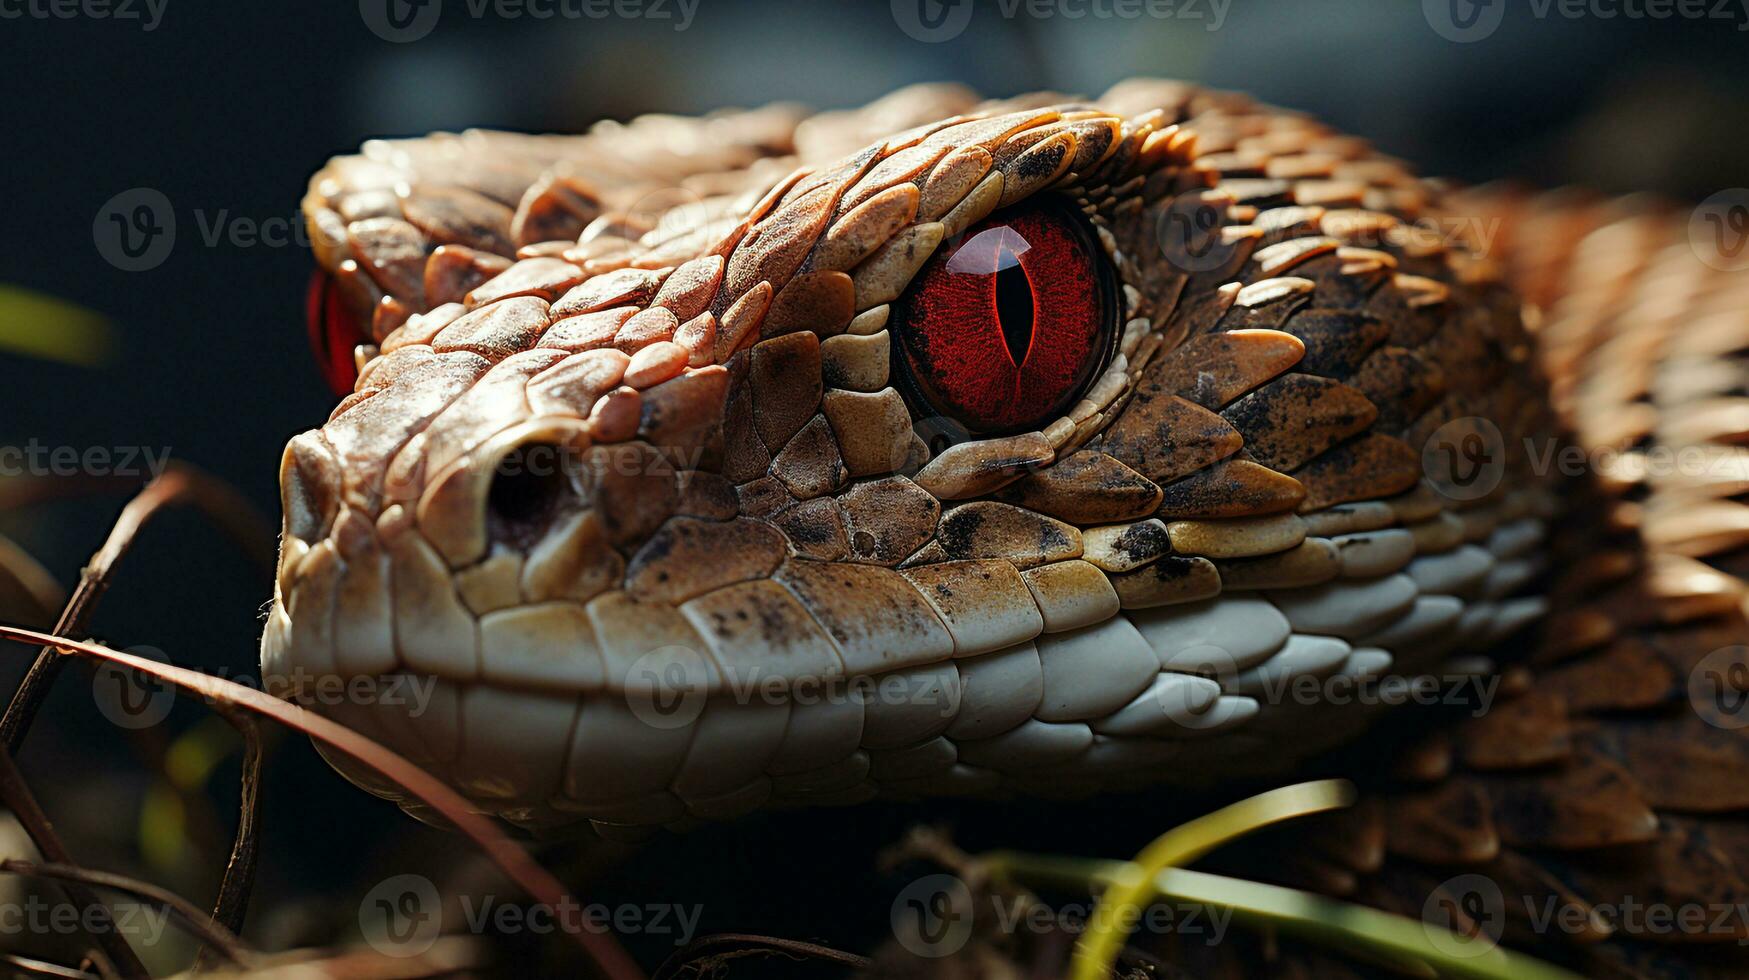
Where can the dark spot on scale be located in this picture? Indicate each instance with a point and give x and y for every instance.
(1169, 570)
(1036, 165)
(1050, 537)
(773, 626)
(1142, 540)
(956, 533)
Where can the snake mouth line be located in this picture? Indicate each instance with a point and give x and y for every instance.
(628, 712)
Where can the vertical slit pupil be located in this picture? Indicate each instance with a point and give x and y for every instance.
(1014, 306)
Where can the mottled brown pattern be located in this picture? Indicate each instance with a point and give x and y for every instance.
(705, 350)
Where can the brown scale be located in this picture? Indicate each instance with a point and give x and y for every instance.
(1202, 466)
(1597, 780)
(747, 350)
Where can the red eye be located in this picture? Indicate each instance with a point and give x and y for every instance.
(333, 333)
(1004, 327)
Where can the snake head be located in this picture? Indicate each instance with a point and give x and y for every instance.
(933, 448)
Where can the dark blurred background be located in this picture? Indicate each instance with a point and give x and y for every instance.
(225, 108)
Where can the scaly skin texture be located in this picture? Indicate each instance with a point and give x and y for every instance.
(1595, 815)
(734, 567)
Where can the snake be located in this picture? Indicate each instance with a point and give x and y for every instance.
(1035, 448)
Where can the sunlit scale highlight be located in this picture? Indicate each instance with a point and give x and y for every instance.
(1003, 329)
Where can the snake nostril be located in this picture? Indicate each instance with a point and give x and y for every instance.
(309, 488)
(530, 488)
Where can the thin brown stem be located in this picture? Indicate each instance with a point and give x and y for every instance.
(16, 794)
(232, 904)
(27, 586)
(24, 966)
(603, 952)
(96, 961)
(709, 952)
(193, 918)
(179, 484)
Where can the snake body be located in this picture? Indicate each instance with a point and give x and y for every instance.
(755, 574)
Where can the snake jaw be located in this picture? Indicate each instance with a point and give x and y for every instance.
(648, 513)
